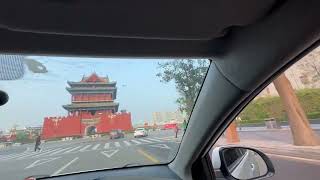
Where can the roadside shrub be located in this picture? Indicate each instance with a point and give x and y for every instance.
(267, 107)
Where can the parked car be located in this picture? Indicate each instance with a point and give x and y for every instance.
(140, 132)
(116, 134)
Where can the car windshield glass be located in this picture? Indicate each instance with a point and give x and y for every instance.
(61, 112)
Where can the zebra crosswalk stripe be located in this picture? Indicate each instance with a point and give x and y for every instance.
(152, 139)
(37, 154)
(135, 141)
(84, 148)
(72, 149)
(57, 152)
(95, 147)
(16, 155)
(12, 156)
(107, 146)
(143, 140)
(127, 143)
(117, 144)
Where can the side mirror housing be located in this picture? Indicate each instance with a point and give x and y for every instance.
(241, 163)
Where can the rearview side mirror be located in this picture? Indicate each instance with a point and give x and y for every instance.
(241, 163)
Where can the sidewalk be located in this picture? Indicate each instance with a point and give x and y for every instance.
(264, 128)
(277, 148)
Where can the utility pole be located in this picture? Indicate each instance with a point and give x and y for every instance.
(301, 131)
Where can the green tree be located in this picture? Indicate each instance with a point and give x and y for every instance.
(188, 76)
(22, 137)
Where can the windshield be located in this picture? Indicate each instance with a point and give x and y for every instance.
(62, 110)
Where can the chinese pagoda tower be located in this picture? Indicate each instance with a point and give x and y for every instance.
(92, 110)
(92, 94)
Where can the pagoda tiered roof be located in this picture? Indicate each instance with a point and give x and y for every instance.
(92, 106)
(91, 86)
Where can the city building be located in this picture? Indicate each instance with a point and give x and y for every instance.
(161, 118)
(92, 110)
(303, 74)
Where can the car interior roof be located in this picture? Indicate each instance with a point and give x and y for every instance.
(125, 28)
(250, 41)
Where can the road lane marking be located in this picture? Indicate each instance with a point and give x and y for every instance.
(41, 161)
(148, 156)
(75, 148)
(135, 141)
(117, 144)
(162, 146)
(109, 153)
(64, 167)
(312, 161)
(153, 139)
(84, 148)
(37, 154)
(60, 151)
(107, 146)
(12, 156)
(95, 147)
(161, 137)
(28, 149)
(143, 140)
(127, 143)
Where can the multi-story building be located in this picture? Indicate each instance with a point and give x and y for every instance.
(303, 74)
(161, 118)
(92, 110)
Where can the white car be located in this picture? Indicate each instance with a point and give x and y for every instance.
(140, 132)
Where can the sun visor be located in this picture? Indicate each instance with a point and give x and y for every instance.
(148, 19)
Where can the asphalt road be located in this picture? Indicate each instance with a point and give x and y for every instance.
(87, 154)
(273, 135)
(290, 168)
(90, 154)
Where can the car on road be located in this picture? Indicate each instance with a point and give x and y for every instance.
(116, 134)
(140, 132)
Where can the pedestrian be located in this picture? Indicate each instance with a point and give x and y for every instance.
(38, 142)
(176, 129)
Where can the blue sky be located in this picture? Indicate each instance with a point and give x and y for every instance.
(36, 96)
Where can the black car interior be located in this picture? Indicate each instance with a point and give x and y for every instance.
(250, 43)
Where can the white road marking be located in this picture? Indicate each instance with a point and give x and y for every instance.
(27, 150)
(41, 161)
(14, 156)
(153, 139)
(72, 149)
(37, 154)
(313, 161)
(110, 152)
(107, 146)
(162, 146)
(159, 138)
(65, 166)
(135, 141)
(117, 144)
(84, 148)
(166, 138)
(143, 140)
(127, 143)
(11, 156)
(95, 147)
(61, 150)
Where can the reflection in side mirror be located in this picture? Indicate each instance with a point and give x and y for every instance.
(242, 163)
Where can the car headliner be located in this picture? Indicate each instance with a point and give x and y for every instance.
(250, 41)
